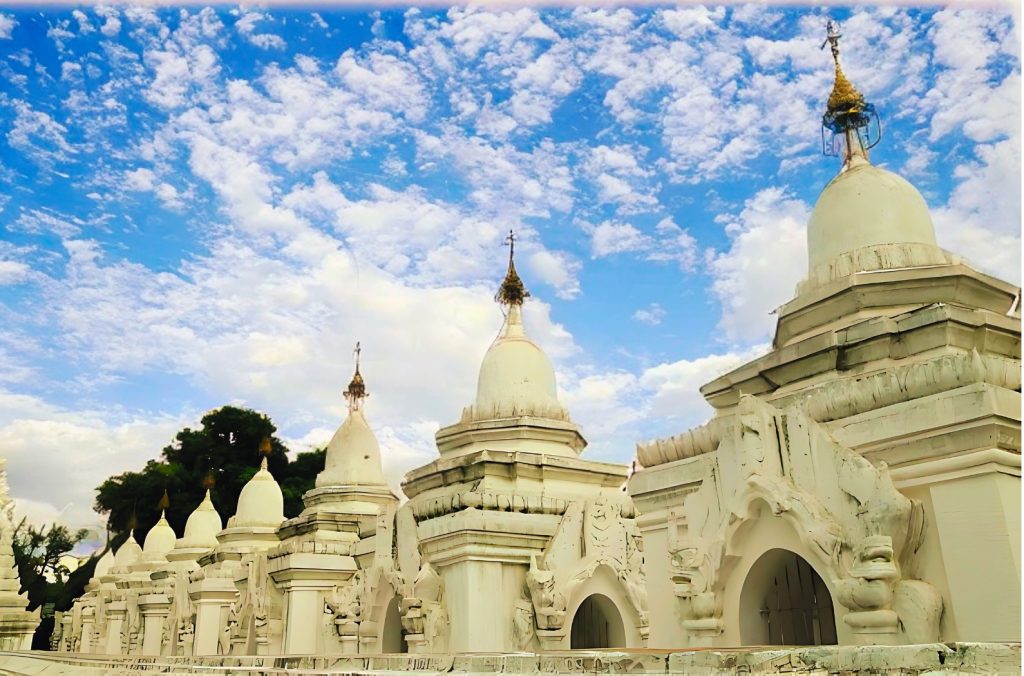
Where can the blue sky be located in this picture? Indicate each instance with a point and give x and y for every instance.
(202, 206)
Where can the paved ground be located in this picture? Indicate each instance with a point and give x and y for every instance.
(938, 658)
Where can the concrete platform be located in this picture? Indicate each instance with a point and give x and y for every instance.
(938, 658)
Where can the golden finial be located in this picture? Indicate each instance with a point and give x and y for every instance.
(512, 290)
(854, 125)
(266, 448)
(165, 501)
(356, 391)
(844, 99)
(209, 481)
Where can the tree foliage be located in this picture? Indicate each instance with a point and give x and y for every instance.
(226, 447)
(37, 553)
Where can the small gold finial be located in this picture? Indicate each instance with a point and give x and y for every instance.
(165, 501)
(844, 99)
(209, 481)
(512, 290)
(850, 125)
(266, 448)
(356, 391)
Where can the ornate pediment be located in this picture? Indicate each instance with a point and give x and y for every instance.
(861, 530)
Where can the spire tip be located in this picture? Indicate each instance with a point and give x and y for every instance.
(512, 290)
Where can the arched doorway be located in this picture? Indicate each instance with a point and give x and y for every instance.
(785, 602)
(392, 639)
(597, 624)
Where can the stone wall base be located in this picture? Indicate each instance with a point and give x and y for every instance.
(937, 658)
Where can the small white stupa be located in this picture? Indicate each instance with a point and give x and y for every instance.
(201, 530)
(260, 511)
(352, 481)
(516, 405)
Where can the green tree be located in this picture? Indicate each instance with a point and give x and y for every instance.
(37, 553)
(226, 447)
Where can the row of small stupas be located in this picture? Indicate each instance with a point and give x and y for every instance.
(858, 484)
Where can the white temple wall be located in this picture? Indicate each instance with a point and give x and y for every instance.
(666, 630)
(479, 594)
(977, 525)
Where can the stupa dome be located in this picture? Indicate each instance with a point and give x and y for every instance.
(104, 565)
(202, 526)
(353, 455)
(129, 553)
(159, 540)
(261, 503)
(516, 377)
(866, 206)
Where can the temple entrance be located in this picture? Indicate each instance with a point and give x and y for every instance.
(597, 624)
(785, 602)
(393, 638)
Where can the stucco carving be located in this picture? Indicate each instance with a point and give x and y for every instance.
(548, 602)
(599, 532)
(424, 615)
(487, 501)
(845, 397)
(249, 616)
(860, 528)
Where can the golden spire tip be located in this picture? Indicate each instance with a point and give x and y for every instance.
(356, 391)
(512, 290)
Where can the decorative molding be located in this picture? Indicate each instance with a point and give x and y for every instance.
(851, 396)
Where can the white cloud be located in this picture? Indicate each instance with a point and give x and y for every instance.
(246, 26)
(675, 386)
(13, 272)
(668, 243)
(7, 24)
(558, 269)
(38, 135)
(611, 238)
(981, 220)
(90, 446)
(111, 22)
(652, 315)
(84, 26)
(766, 259)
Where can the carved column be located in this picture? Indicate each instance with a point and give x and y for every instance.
(88, 621)
(211, 597)
(155, 608)
(116, 611)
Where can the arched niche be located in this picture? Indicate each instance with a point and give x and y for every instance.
(597, 624)
(392, 636)
(760, 534)
(785, 602)
(603, 593)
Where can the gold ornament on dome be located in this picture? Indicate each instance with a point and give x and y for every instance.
(844, 97)
(356, 391)
(512, 290)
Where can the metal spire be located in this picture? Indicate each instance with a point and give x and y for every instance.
(356, 391)
(512, 290)
(847, 115)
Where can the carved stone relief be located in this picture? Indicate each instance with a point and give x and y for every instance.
(848, 513)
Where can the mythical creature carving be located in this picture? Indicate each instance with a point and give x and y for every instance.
(248, 618)
(548, 603)
(424, 615)
(844, 509)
